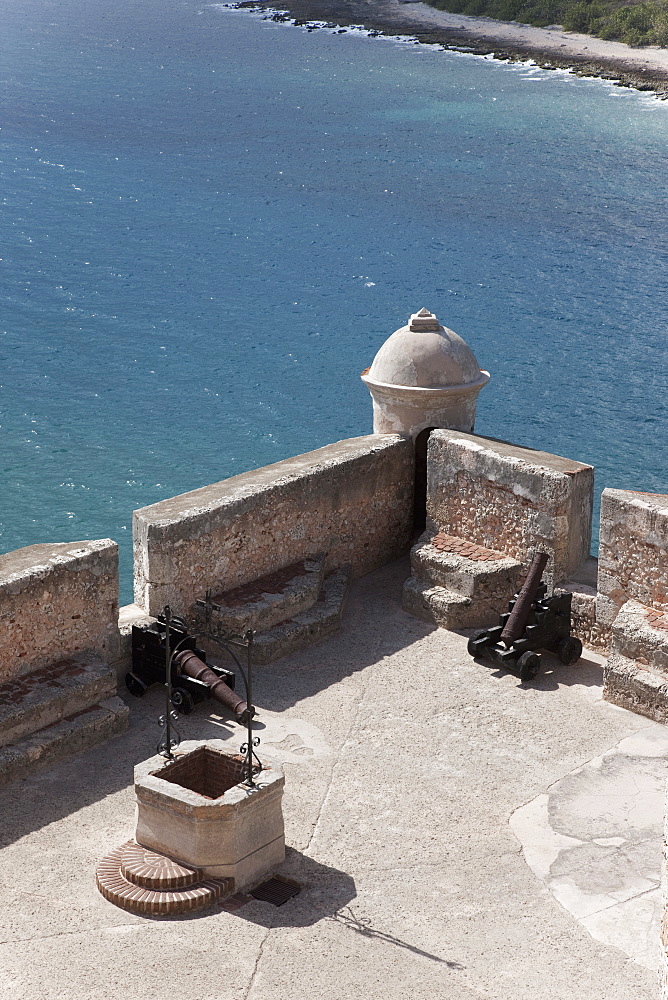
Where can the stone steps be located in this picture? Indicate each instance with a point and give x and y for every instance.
(322, 619)
(45, 696)
(457, 584)
(71, 735)
(439, 606)
(635, 675)
(271, 599)
(147, 882)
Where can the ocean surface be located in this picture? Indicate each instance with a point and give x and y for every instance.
(211, 222)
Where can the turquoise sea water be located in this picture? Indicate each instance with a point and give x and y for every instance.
(211, 223)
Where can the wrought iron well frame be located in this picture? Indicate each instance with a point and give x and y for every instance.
(202, 626)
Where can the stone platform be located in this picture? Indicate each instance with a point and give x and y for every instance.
(405, 761)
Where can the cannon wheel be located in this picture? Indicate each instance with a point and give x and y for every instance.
(135, 685)
(528, 665)
(183, 701)
(470, 648)
(569, 650)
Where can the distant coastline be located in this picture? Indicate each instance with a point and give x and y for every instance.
(644, 69)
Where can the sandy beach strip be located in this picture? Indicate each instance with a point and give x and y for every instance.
(642, 68)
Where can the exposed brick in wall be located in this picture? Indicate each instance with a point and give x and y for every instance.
(633, 552)
(55, 600)
(511, 499)
(351, 500)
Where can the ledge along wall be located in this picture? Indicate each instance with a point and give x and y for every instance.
(55, 600)
(352, 500)
(511, 499)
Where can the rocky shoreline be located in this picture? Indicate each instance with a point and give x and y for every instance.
(644, 69)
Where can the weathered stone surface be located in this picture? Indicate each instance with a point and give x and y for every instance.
(445, 569)
(273, 598)
(55, 600)
(636, 673)
(39, 699)
(71, 735)
(318, 622)
(351, 500)
(441, 607)
(510, 499)
(493, 579)
(633, 552)
(238, 834)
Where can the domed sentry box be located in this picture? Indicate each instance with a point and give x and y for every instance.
(197, 820)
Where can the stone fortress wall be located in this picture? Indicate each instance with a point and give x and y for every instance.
(352, 501)
(342, 510)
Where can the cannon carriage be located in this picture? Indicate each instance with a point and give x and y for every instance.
(533, 621)
(194, 678)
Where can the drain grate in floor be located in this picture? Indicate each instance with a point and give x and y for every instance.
(276, 890)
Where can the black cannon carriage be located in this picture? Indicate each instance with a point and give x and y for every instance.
(533, 621)
(193, 677)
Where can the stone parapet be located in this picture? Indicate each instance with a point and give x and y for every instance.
(352, 500)
(510, 499)
(57, 600)
(633, 552)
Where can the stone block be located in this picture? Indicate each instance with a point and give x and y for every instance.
(318, 622)
(271, 599)
(633, 552)
(636, 672)
(69, 736)
(352, 500)
(43, 697)
(56, 600)
(441, 607)
(196, 811)
(510, 499)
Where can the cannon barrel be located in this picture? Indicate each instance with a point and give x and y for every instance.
(519, 616)
(189, 663)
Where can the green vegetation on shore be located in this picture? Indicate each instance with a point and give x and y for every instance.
(644, 23)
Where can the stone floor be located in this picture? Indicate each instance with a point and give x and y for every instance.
(456, 835)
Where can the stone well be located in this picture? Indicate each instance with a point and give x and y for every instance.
(196, 809)
(201, 832)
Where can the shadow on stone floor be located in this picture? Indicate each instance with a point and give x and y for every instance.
(347, 918)
(553, 674)
(324, 893)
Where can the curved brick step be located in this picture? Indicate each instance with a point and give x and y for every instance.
(155, 871)
(120, 891)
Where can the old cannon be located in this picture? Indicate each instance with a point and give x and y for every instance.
(193, 678)
(533, 621)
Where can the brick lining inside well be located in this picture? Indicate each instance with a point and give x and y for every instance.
(205, 771)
